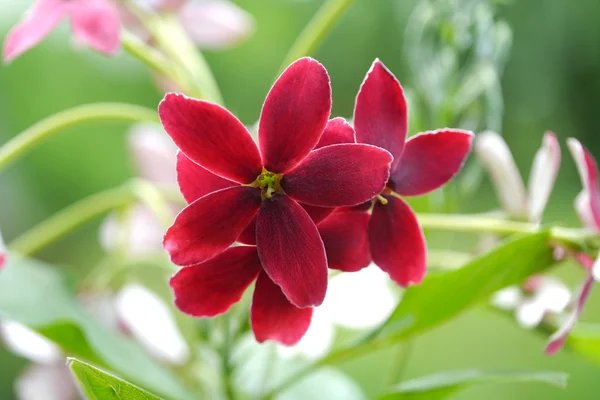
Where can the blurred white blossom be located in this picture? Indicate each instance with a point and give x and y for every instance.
(540, 297)
(154, 157)
(517, 202)
(151, 323)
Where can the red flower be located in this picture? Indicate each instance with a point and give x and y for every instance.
(93, 22)
(269, 184)
(421, 164)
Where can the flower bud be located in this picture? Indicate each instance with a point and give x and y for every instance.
(544, 170)
(497, 159)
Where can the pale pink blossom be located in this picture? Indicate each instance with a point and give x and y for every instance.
(93, 22)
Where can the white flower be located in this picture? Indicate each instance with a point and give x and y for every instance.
(508, 298)
(216, 24)
(153, 152)
(497, 159)
(354, 300)
(541, 296)
(28, 344)
(141, 230)
(155, 158)
(152, 324)
(47, 382)
(49, 377)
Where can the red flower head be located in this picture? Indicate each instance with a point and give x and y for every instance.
(421, 164)
(233, 185)
(94, 22)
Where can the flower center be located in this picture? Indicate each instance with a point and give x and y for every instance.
(380, 197)
(269, 183)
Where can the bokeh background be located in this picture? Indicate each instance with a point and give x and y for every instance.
(551, 81)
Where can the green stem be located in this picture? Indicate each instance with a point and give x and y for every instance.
(72, 217)
(316, 30)
(81, 212)
(152, 58)
(400, 366)
(478, 224)
(177, 46)
(46, 128)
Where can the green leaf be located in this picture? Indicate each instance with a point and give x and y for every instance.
(99, 385)
(37, 296)
(441, 386)
(585, 341)
(443, 296)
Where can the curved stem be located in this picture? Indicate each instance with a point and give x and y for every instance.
(316, 30)
(400, 365)
(46, 128)
(83, 211)
(71, 217)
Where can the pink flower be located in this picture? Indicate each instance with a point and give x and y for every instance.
(93, 22)
(2, 252)
(587, 205)
(211, 24)
(229, 181)
(421, 164)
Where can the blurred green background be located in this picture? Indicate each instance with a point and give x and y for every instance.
(551, 81)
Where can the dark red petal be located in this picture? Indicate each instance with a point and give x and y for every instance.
(195, 181)
(557, 340)
(294, 115)
(291, 250)
(337, 131)
(211, 288)
(211, 136)
(210, 224)
(397, 242)
(430, 160)
(380, 113)
(339, 175)
(273, 317)
(248, 235)
(318, 214)
(346, 242)
(366, 206)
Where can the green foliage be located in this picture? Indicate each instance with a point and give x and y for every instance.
(446, 384)
(585, 341)
(99, 385)
(443, 296)
(36, 295)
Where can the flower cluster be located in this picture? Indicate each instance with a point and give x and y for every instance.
(543, 296)
(299, 202)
